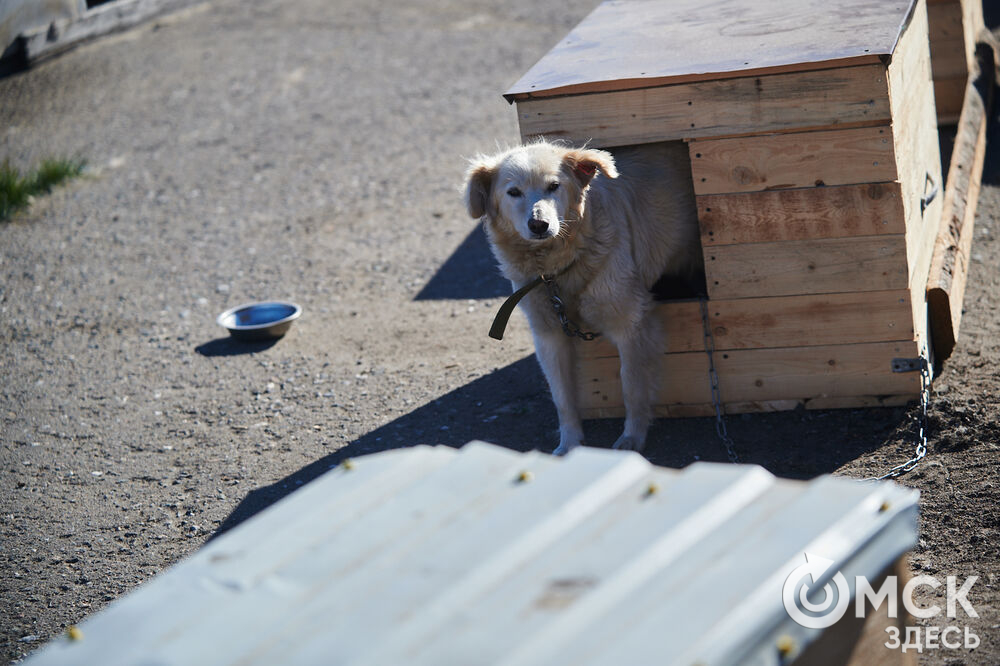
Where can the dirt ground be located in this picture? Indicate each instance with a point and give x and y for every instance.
(312, 151)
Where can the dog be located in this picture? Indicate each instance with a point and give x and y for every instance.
(603, 228)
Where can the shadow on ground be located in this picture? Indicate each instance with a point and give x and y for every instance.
(511, 407)
(470, 272)
(231, 347)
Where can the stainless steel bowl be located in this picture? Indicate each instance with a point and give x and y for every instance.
(259, 321)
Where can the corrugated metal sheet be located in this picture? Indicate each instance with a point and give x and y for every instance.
(488, 556)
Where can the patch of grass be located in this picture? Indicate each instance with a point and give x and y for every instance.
(16, 189)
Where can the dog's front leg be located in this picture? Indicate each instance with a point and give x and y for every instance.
(638, 350)
(555, 354)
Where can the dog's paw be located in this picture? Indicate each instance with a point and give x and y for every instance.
(565, 448)
(629, 443)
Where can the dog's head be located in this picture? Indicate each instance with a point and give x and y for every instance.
(536, 190)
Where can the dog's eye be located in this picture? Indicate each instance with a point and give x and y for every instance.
(553, 187)
(514, 192)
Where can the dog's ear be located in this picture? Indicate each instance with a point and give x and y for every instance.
(584, 163)
(478, 183)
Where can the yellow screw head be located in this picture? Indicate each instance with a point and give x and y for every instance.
(347, 464)
(74, 633)
(525, 476)
(652, 489)
(885, 507)
(785, 645)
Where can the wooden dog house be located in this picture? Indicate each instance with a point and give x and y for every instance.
(812, 131)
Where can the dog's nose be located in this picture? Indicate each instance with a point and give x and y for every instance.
(538, 227)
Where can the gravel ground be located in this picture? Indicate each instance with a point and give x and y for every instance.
(313, 150)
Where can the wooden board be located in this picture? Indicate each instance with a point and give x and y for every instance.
(859, 401)
(812, 320)
(647, 43)
(675, 411)
(780, 161)
(783, 321)
(961, 19)
(802, 214)
(59, 32)
(950, 262)
(847, 97)
(761, 375)
(826, 266)
(947, 37)
(955, 28)
(918, 157)
(948, 100)
(861, 641)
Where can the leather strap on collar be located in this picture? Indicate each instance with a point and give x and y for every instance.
(503, 314)
(505, 311)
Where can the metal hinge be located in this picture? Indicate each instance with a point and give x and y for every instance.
(909, 364)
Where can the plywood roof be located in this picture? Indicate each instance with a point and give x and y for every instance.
(642, 43)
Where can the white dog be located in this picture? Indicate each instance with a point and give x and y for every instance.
(603, 240)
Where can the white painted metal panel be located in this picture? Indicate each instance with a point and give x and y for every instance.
(437, 556)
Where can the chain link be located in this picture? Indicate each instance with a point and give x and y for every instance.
(569, 327)
(720, 416)
(921, 450)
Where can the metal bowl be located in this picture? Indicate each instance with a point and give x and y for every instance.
(259, 321)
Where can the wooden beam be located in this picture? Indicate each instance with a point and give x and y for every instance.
(918, 157)
(63, 33)
(749, 407)
(811, 320)
(783, 321)
(761, 376)
(955, 28)
(874, 209)
(948, 55)
(914, 125)
(825, 266)
(846, 97)
(948, 98)
(861, 641)
(780, 161)
(950, 263)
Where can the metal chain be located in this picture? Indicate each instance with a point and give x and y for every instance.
(720, 421)
(921, 450)
(569, 327)
(720, 417)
